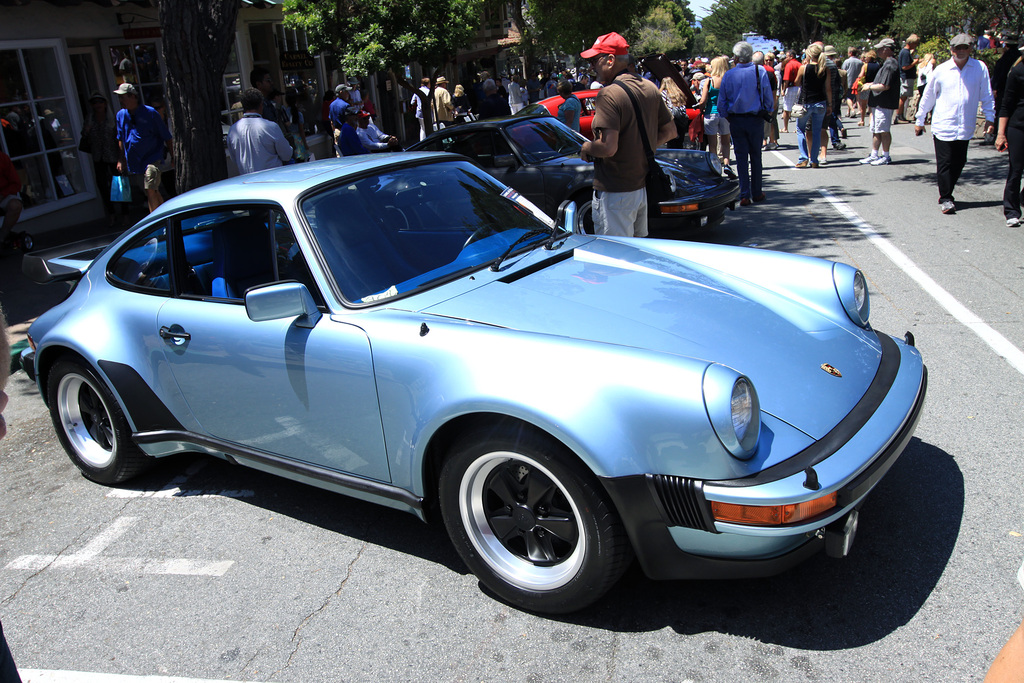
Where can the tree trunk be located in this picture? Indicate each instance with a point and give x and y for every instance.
(197, 38)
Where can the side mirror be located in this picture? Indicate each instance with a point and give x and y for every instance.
(282, 300)
(565, 218)
(504, 161)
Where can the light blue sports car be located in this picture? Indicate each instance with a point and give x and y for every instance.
(407, 330)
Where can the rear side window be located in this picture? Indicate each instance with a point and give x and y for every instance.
(144, 263)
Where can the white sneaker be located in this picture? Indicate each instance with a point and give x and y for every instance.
(881, 161)
(821, 161)
(869, 160)
(1013, 222)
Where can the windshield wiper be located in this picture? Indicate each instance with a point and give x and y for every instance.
(522, 238)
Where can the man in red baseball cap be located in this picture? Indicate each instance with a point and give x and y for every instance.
(620, 163)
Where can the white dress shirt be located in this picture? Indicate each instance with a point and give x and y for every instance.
(952, 96)
(372, 139)
(256, 144)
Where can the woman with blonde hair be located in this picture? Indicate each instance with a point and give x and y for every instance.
(675, 100)
(815, 82)
(867, 75)
(716, 128)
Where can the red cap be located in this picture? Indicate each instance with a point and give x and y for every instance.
(608, 44)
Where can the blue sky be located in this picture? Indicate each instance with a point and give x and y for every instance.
(701, 8)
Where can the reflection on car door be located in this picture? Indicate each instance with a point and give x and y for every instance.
(306, 394)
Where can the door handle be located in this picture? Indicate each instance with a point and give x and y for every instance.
(178, 336)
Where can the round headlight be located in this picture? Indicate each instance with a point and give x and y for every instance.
(852, 288)
(714, 162)
(734, 410)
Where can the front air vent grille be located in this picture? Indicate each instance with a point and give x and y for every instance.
(682, 501)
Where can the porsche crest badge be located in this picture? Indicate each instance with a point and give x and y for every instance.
(831, 370)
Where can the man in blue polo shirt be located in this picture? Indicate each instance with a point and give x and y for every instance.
(336, 112)
(142, 136)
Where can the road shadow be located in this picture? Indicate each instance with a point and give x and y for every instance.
(908, 529)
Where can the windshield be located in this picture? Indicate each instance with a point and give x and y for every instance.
(404, 229)
(542, 139)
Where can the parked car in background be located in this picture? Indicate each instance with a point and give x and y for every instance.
(586, 98)
(406, 329)
(540, 157)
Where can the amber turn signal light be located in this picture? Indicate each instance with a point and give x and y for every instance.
(680, 208)
(772, 515)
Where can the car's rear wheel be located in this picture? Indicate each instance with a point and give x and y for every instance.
(91, 426)
(530, 521)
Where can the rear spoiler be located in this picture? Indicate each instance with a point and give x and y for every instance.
(65, 263)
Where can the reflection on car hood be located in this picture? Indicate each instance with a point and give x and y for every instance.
(630, 296)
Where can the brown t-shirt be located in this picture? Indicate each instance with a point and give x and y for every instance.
(626, 170)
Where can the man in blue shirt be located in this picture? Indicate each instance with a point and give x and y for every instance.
(142, 136)
(744, 95)
(348, 139)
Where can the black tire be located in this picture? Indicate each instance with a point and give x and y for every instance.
(584, 214)
(530, 521)
(91, 426)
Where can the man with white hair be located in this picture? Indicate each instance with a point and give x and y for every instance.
(492, 103)
(745, 98)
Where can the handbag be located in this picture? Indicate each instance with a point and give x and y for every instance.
(766, 114)
(120, 189)
(85, 142)
(659, 185)
(798, 110)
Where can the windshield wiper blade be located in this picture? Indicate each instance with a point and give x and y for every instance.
(522, 238)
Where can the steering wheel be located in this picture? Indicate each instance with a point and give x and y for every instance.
(479, 234)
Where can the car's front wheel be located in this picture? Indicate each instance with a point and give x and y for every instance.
(584, 214)
(91, 426)
(530, 521)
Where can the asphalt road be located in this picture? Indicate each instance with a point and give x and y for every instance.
(205, 570)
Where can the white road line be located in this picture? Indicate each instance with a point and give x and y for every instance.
(785, 159)
(53, 676)
(997, 342)
(91, 558)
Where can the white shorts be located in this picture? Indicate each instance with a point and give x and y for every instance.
(620, 214)
(881, 120)
(716, 125)
(791, 97)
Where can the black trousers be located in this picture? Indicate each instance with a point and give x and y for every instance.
(1011, 191)
(950, 158)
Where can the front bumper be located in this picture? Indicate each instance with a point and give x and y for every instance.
(28, 363)
(701, 210)
(669, 520)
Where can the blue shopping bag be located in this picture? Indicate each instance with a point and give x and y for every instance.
(120, 189)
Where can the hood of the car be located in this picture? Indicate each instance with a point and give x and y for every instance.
(626, 295)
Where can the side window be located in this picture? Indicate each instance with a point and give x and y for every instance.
(144, 263)
(291, 264)
(481, 146)
(227, 252)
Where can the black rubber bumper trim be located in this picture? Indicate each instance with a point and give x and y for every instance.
(233, 451)
(28, 364)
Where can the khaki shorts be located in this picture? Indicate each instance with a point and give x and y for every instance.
(620, 214)
(881, 120)
(151, 178)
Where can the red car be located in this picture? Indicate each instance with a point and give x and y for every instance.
(586, 98)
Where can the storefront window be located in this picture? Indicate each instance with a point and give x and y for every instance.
(138, 63)
(38, 131)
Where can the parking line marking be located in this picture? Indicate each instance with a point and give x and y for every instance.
(997, 342)
(55, 676)
(91, 557)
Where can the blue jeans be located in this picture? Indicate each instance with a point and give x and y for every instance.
(747, 136)
(815, 116)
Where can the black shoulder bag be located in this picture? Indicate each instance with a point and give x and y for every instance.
(659, 186)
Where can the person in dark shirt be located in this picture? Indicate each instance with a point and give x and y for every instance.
(492, 104)
(885, 98)
(908, 61)
(1010, 138)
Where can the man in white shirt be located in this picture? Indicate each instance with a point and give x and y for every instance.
(515, 94)
(254, 143)
(372, 139)
(954, 90)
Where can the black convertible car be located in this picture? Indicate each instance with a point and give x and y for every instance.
(540, 157)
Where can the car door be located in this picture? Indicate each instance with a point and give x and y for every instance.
(306, 394)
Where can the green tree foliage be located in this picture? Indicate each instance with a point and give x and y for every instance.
(727, 22)
(667, 28)
(370, 36)
(572, 25)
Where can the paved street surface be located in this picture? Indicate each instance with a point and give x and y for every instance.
(209, 571)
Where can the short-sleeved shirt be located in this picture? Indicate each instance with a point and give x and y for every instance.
(143, 135)
(789, 73)
(569, 112)
(906, 58)
(337, 112)
(852, 67)
(888, 74)
(626, 170)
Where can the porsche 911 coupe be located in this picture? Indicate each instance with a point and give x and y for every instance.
(408, 330)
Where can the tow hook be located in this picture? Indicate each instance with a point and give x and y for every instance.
(909, 338)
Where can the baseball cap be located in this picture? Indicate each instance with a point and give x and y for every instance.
(961, 39)
(342, 88)
(608, 44)
(886, 42)
(364, 114)
(126, 89)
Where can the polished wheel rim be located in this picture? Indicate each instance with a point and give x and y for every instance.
(585, 218)
(86, 421)
(521, 521)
